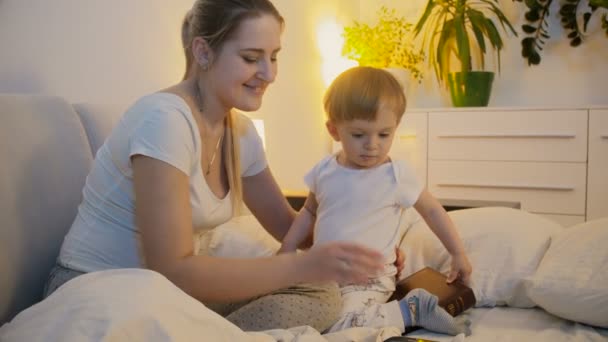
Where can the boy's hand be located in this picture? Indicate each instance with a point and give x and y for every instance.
(461, 269)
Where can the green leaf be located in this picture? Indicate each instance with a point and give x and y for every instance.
(528, 28)
(534, 59)
(532, 15)
(462, 41)
(443, 49)
(427, 11)
(599, 3)
(501, 17)
(532, 4)
(567, 9)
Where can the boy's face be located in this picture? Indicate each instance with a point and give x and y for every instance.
(365, 144)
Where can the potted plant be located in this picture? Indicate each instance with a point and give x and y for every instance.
(387, 44)
(536, 28)
(450, 28)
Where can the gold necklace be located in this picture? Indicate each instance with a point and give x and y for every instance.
(219, 141)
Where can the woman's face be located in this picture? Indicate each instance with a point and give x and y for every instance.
(246, 64)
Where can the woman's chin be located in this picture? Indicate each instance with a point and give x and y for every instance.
(249, 105)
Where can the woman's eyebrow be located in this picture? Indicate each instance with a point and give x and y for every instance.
(257, 50)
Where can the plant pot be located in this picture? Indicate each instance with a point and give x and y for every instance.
(470, 89)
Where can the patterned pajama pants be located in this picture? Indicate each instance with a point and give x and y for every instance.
(365, 306)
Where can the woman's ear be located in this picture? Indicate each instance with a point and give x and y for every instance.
(332, 129)
(202, 52)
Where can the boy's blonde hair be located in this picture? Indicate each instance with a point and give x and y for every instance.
(357, 93)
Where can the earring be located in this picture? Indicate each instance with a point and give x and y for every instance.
(203, 62)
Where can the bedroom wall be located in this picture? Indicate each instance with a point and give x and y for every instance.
(566, 76)
(114, 51)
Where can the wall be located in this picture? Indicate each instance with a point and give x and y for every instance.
(113, 51)
(96, 51)
(566, 76)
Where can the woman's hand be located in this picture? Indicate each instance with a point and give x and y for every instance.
(461, 268)
(399, 261)
(342, 262)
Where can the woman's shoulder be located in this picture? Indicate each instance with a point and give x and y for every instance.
(162, 102)
(162, 107)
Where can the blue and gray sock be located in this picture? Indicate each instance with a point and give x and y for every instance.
(419, 308)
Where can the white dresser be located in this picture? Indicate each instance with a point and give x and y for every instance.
(597, 172)
(553, 162)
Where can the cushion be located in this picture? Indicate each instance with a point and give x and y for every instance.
(572, 279)
(504, 246)
(45, 159)
(241, 237)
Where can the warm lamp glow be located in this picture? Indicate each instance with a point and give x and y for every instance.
(330, 42)
(259, 127)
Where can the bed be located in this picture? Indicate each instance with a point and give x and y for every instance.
(533, 280)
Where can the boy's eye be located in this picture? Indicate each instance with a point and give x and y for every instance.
(385, 135)
(357, 135)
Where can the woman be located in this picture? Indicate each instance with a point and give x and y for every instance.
(181, 161)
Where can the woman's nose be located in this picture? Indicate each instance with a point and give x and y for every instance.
(267, 71)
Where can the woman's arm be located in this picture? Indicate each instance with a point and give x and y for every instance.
(442, 226)
(164, 217)
(264, 198)
(302, 226)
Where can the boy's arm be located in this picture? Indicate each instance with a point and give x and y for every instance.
(442, 226)
(302, 226)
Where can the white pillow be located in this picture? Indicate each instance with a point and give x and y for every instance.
(504, 246)
(241, 237)
(572, 279)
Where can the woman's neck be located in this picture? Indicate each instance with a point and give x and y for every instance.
(210, 113)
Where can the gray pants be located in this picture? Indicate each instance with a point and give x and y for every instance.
(315, 305)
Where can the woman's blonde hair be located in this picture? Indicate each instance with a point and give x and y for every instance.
(217, 21)
(357, 93)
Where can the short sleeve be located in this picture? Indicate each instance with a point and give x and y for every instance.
(409, 186)
(167, 136)
(253, 157)
(311, 179)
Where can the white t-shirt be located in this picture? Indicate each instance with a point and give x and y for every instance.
(362, 205)
(161, 126)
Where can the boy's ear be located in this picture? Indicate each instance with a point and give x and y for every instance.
(332, 129)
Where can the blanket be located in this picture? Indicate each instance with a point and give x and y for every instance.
(142, 305)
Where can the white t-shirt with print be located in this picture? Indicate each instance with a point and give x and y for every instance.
(103, 234)
(364, 206)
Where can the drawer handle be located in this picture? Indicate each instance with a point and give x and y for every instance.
(515, 135)
(508, 186)
(604, 136)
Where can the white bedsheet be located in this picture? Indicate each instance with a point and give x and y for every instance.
(503, 324)
(141, 305)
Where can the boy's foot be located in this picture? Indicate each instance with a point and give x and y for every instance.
(419, 308)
